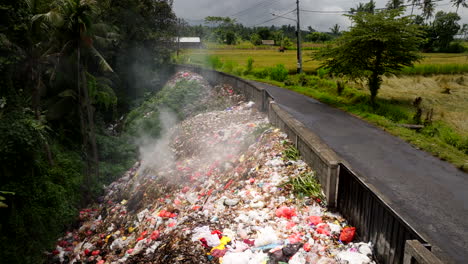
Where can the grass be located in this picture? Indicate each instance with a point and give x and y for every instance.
(446, 94)
(305, 185)
(429, 69)
(267, 56)
(262, 57)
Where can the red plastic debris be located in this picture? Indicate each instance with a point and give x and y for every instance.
(307, 247)
(347, 234)
(295, 238)
(130, 251)
(62, 243)
(166, 214)
(249, 242)
(315, 220)
(219, 253)
(86, 252)
(228, 184)
(55, 252)
(286, 212)
(142, 236)
(323, 229)
(219, 233)
(154, 235)
(185, 189)
(204, 242)
(290, 225)
(95, 253)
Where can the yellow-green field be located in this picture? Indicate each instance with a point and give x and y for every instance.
(270, 57)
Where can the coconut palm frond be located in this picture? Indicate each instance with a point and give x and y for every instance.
(102, 62)
(52, 17)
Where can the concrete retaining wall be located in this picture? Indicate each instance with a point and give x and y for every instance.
(322, 159)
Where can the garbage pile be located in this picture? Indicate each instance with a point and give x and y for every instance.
(224, 198)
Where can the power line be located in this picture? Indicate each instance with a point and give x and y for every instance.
(324, 12)
(277, 17)
(260, 4)
(344, 12)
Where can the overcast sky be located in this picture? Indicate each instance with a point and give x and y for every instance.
(254, 12)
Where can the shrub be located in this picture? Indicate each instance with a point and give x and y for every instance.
(340, 85)
(239, 71)
(447, 135)
(298, 79)
(279, 73)
(250, 63)
(456, 47)
(322, 72)
(214, 62)
(262, 73)
(229, 66)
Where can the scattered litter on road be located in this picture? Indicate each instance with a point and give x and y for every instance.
(225, 199)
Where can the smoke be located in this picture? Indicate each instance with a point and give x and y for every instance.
(156, 154)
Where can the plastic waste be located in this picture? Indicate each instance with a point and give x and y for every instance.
(237, 258)
(285, 212)
(347, 234)
(353, 257)
(298, 258)
(266, 236)
(225, 178)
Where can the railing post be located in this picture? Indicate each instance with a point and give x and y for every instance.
(415, 252)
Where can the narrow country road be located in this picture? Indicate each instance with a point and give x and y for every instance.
(432, 195)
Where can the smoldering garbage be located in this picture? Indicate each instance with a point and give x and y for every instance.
(224, 199)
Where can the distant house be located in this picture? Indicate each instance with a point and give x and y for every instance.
(189, 42)
(268, 42)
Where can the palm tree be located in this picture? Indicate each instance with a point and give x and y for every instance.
(335, 30)
(428, 8)
(414, 3)
(394, 4)
(71, 21)
(459, 3)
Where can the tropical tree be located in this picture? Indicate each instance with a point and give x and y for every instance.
(71, 21)
(361, 7)
(335, 30)
(394, 4)
(377, 44)
(428, 8)
(464, 31)
(459, 3)
(414, 3)
(445, 26)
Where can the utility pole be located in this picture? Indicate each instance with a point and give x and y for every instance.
(299, 52)
(178, 36)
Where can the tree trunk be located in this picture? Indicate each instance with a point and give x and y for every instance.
(84, 134)
(374, 85)
(36, 104)
(92, 134)
(375, 80)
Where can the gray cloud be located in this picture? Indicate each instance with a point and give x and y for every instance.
(259, 11)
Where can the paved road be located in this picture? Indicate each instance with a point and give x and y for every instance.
(430, 194)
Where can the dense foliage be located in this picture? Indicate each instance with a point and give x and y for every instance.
(378, 43)
(69, 70)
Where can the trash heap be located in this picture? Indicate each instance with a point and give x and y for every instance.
(225, 196)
